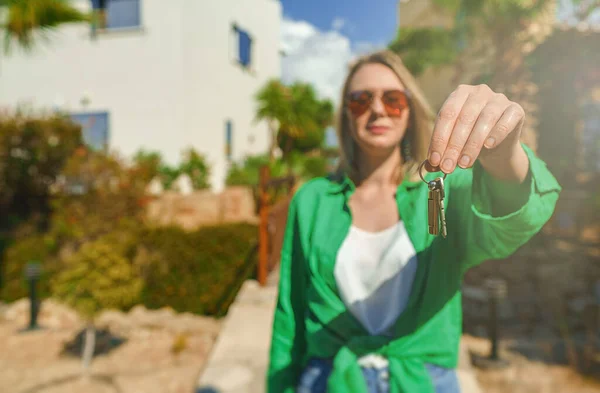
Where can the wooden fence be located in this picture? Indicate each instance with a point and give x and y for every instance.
(273, 218)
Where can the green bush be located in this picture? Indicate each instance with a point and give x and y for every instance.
(309, 166)
(98, 222)
(101, 195)
(197, 271)
(34, 147)
(37, 248)
(150, 164)
(304, 166)
(248, 172)
(98, 276)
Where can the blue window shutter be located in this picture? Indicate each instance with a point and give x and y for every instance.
(94, 129)
(228, 139)
(123, 13)
(96, 4)
(245, 48)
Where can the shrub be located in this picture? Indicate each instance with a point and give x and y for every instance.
(38, 248)
(150, 164)
(98, 276)
(99, 196)
(195, 271)
(33, 150)
(147, 165)
(304, 166)
(198, 272)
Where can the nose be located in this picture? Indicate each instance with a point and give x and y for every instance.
(377, 106)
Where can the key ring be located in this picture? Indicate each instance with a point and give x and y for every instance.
(421, 174)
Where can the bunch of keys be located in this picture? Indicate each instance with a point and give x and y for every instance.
(436, 216)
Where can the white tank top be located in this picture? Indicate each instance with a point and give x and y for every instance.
(374, 272)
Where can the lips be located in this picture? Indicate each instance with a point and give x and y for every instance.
(377, 129)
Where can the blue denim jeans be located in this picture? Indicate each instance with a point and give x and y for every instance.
(315, 375)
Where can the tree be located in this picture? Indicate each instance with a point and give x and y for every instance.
(273, 107)
(295, 115)
(310, 117)
(196, 167)
(33, 151)
(99, 276)
(25, 18)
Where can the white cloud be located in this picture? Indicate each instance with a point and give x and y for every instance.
(313, 56)
(320, 58)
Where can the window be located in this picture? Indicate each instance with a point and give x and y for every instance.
(242, 47)
(94, 129)
(115, 14)
(228, 139)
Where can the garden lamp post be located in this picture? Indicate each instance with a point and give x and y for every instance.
(33, 271)
(496, 289)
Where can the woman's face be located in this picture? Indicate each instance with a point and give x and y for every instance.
(378, 109)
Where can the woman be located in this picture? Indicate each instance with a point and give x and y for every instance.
(369, 300)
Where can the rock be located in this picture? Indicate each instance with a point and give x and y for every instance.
(115, 321)
(140, 316)
(17, 311)
(142, 319)
(52, 315)
(193, 324)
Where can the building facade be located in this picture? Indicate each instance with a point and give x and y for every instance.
(158, 76)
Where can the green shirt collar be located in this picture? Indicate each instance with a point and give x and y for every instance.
(341, 182)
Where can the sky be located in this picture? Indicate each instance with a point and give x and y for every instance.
(320, 38)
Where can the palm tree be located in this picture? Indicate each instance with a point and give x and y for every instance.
(293, 112)
(273, 107)
(24, 18)
(310, 116)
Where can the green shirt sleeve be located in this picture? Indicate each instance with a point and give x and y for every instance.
(493, 218)
(288, 338)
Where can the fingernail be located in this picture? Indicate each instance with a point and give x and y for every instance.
(490, 142)
(447, 166)
(464, 161)
(435, 158)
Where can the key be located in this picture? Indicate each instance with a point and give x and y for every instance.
(433, 206)
(436, 215)
(441, 211)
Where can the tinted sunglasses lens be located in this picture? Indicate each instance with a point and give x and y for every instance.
(395, 102)
(358, 102)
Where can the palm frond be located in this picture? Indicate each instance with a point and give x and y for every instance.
(25, 18)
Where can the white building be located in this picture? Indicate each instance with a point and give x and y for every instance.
(160, 75)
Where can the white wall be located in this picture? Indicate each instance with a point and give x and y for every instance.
(168, 85)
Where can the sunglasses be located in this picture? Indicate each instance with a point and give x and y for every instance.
(394, 101)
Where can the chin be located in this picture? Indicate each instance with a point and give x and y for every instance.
(378, 145)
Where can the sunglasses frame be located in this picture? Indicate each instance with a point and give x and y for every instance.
(373, 95)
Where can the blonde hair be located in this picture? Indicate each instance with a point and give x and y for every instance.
(420, 124)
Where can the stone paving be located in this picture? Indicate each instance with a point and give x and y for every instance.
(239, 357)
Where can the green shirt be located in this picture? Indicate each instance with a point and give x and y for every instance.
(486, 219)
